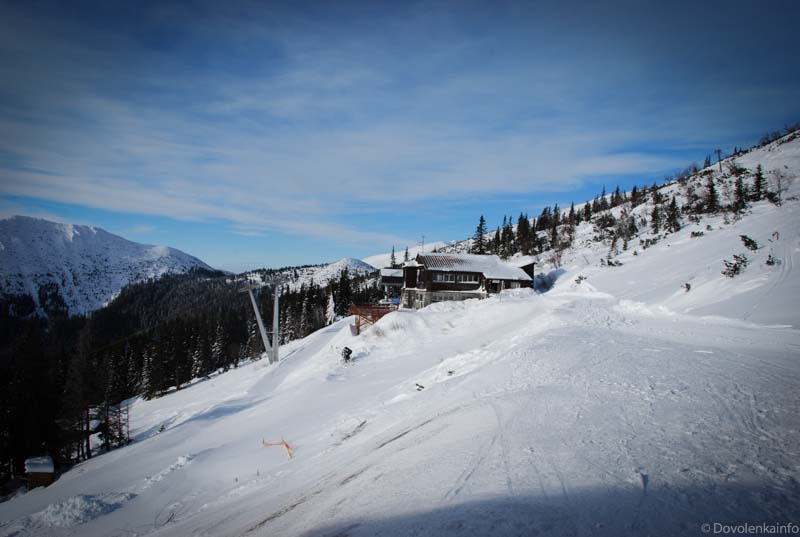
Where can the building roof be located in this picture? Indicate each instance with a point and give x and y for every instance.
(491, 266)
(391, 272)
(42, 465)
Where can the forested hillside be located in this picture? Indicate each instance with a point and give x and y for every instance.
(64, 378)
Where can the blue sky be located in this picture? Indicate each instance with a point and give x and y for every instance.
(268, 134)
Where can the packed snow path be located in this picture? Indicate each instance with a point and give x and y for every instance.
(571, 413)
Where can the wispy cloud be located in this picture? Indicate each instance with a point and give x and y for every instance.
(276, 121)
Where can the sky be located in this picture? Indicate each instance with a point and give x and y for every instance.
(255, 134)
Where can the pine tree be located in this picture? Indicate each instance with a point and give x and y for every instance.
(524, 234)
(740, 196)
(495, 246)
(344, 299)
(405, 256)
(673, 216)
(655, 219)
(218, 347)
(393, 259)
(479, 238)
(759, 185)
(603, 201)
(635, 197)
(711, 200)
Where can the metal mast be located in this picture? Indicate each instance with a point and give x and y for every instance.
(276, 335)
(273, 350)
(261, 328)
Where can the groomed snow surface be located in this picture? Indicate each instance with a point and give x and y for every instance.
(620, 405)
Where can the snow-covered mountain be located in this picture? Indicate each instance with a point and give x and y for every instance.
(320, 275)
(88, 265)
(619, 402)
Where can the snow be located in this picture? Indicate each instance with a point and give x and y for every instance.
(89, 265)
(491, 266)
(620, 405)
(392, 273)
(39, 465)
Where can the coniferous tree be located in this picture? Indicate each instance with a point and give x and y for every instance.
(711, 199)
(344, 298)
(739, 196)
(393, 259)
(636, 198)
(524, 234)
(673, 216)
(479, 238)
(759, 185)
(655, 219)
(405, 256)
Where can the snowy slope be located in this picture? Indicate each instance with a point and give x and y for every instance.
(620, 405)
(88, 264)
(578, 411)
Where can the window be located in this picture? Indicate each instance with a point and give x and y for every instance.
(449, 277)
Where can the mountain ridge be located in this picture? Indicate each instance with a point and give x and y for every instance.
(86, 266)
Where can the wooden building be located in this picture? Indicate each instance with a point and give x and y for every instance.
(433, 277)
(40, 471)
(392, 282)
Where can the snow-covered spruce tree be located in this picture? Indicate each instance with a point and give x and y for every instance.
(673, 216)
(736, 266)
(739, 196)
(393, 259)
(344, 297)
(711, 200)
(524, 234)
(494, 244)
(479, 238)
(330, 310)
(759, 189)
(218, 347)
(749, 243)
(655, 219)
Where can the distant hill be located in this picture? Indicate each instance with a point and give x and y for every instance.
(319, 274)
(83, 267)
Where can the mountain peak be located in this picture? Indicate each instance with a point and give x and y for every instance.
(85, 265)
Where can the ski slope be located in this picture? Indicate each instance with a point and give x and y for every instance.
(616, 403)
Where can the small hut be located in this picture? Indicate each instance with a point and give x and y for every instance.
(40, 471)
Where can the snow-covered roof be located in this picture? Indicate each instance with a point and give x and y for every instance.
(43, 465)
(491, 266)
(392, 272)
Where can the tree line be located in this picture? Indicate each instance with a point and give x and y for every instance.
(64, 378)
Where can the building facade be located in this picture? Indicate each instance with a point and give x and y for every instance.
(434, 277)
